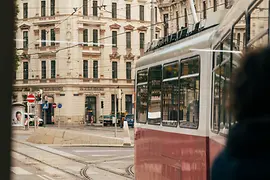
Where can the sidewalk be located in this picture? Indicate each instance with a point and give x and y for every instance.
(75, 136)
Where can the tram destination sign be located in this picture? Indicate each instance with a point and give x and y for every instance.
(91, 89)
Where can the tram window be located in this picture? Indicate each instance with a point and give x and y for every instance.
(190, 66)
(170, 95)
(259, 24)
(189, 94)
(154, 91)
(170, 71)
(142, 96)
(142, 76)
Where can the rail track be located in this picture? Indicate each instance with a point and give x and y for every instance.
(83, 172)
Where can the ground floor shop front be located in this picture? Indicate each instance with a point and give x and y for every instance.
(79, 103)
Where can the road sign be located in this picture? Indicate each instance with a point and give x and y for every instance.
(45, 106)
(59, 105)
(30, 98)
(54, 105)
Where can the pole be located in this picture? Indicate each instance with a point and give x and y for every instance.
(115, 125)
(28, 116)
(152, 21)
(35, 120)
(59, 119)
(192, 6)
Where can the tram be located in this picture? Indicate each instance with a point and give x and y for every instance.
(181, 93)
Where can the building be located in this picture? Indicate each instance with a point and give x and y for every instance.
(80, 53)
(177, 14)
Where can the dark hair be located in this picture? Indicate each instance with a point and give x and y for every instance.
(18, 112)
(250, 90)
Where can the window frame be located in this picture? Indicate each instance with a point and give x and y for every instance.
(85, 7)
(95, 69)
(114, 73)
(114, 38)
(43, 69)
(85, 37)
(128, 70)
(25, 10)
(95, 8)
(141, 12)
(53, 38)
(186, 77)
(25, 70)
(53, 69)
(128, 11)
(169, 80)
(95, 37)
(43, 37)
(128, 40)
(114, 10)
(149, 96)
(52, 7)
(43, 8)
(85, 69)
(137, 93)
(142, 40)
(25, 39)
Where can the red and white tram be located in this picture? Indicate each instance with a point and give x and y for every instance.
(181, 94)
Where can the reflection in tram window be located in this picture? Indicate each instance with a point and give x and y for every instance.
(189, 94)
(259, 24)
(170, 95)
(154, 103)
(216, 100)
(239, 35)
(142, 103)
(142, 96)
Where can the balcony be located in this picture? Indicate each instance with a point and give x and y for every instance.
(91, 50)
(47, 20)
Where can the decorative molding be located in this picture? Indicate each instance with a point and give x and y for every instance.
(129, 27)
(142, 28)
(158, 29)
(24, 26)
(115, 26)
(115, 56)
(129, 56)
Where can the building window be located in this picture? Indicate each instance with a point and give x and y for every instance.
(52, 37)
(141, 40)
(204, 9)
(114, 10)
(114, 70)
(128, 39)
(43, 37)
(52, 7)
(95, 37)
(25, 39)
(25, 10)
(43, 8)
(129, 104)
(53, 69)
(166, 24)
(85, 37)
(25, 70)
(128, 70)
(156, 14)
(141, 13)
(95, 8)
(43, 69)
(177, 21)
(113, 104)
(85, 68)
(95, 69)
(128, 12)
(186, 18)
(85, 7)
(114, 38)
(215, 5)
(238, 40)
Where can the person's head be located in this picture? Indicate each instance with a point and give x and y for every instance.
(250, 90)
(18, 115)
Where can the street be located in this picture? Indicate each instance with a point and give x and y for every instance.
(51, 162)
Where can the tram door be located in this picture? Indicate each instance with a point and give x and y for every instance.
(90, 108)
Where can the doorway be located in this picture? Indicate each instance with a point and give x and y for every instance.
(90, 108)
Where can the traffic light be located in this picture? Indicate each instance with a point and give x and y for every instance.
(102, 105)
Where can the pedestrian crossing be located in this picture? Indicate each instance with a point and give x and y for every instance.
(22, 172)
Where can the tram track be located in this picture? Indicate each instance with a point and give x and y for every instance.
(83, 172)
